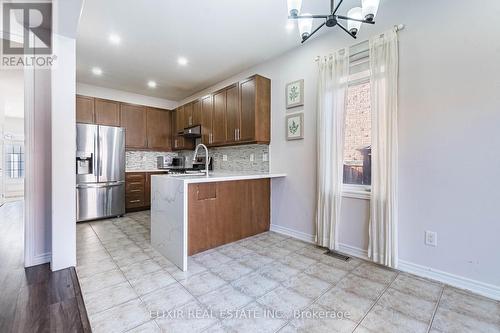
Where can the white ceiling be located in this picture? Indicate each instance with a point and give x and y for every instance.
(220, 38)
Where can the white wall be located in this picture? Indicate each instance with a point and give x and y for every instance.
(63, 91)
(63, 154)
(123, 96)
(448, 127)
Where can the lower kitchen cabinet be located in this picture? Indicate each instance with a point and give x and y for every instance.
(224, 212)
(138, 190)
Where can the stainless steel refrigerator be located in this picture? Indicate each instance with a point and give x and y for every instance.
(100, 171)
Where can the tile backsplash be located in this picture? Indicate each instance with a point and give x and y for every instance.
(143, 160)
(238, 158)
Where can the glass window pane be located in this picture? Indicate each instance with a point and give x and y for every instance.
(357, 145)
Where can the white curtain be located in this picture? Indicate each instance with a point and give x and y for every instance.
(332, 92)
(383, 235)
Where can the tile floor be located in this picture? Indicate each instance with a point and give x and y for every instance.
(266, 283)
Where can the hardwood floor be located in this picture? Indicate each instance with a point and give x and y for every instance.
(34, 299)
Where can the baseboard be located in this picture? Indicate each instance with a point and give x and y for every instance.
(353, 251)
(478, 287)
(39, 259)
(293, 233)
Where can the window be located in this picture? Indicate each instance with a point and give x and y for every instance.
(357, 144)
(14, 161)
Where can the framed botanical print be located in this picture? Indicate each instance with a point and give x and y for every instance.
(295, 126)
(294, 94)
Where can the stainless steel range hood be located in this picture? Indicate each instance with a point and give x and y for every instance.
(192, 132)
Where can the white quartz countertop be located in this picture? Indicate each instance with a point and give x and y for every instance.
(223, 176)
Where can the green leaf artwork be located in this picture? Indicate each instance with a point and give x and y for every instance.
(294, 93)
(293, 127)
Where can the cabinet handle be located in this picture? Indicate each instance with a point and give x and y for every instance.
(134, 201)
(238, 130)
(235, 134)
(190, 120)
(135, 191)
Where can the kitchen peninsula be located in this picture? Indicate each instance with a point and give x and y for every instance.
(191, 214)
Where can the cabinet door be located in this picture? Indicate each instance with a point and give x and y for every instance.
(188, 115)
(231, 212)
(206, 120)
(159, 129)
(133, 118)
(219, 118)
(232, 114)
(201, 216)
(247, 110)
(107, 112)
(196, 113)
(84, 109)
(179, 119)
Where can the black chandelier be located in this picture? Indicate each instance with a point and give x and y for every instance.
(355, 17)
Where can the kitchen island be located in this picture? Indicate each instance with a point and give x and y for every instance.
(191, 214)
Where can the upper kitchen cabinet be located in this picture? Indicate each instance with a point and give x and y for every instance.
(134, 119)
(219, 118)
(255, 110)
(159, 125)
(196, 118)
(84, 109)
(233, 117)
(179, 119)
(237, 114)
(107, 112)
(206, 119)
(188, 115)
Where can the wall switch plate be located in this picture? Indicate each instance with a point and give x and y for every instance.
(252, 157)
(265, 157)
(431, 238)
(224, 158)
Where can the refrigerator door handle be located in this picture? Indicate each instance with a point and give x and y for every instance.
(95, 156)
(100, 185)
(99, 143)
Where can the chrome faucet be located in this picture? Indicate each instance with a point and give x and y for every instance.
(206, 156)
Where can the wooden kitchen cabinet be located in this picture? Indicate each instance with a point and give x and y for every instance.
(179, 119)
(138, 190)
(135, 188)
(219, 118)
(188, 115)
(206, 119)
(134, 120)
(232, 114)
(237, 114)
(224, 212)
(159, 129)
(107, 112)
(85, 109)
(196, 119)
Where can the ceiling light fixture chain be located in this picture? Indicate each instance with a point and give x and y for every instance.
(355, 17)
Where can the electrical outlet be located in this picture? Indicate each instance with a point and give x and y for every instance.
(431, 238)
(252, 157)
(265, 157)
(224, 158)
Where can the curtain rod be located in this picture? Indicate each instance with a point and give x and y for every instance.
(397, 27)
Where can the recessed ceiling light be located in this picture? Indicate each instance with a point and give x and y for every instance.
(289, 26)
(151, 84)
(182, 61)
(97, 71)
(115, 39)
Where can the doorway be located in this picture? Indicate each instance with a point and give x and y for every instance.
(12, 158)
